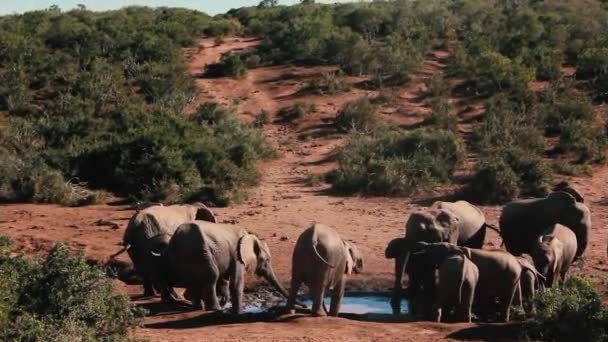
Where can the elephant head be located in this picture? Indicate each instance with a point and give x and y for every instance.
(254, 255)
(547, 251)
(566, 187)
(354, 258)
(437, 252)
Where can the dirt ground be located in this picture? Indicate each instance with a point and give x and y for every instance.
(283, 205)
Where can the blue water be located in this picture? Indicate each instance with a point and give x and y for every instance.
(367, 303)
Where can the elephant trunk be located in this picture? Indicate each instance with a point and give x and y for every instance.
(400, 264)
(272, 279)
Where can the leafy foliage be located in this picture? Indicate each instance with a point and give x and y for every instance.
(571, 311)
(396, 163)
(61, 298)
(357, 115)
(99, 98)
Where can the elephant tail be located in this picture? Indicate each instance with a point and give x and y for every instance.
(314, 246)
(462, 274)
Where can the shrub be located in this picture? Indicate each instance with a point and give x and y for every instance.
(210, 113)
(436, 86)
(494, 183)
(593, 62)
(297, 111)
(583, 140)
(566, 108)
(230, 65)
(572, 311)
(261, 119)
(357, 115)
(253, 61)
(391, 163)
(328, 83)
(61, 298)
(440, 117)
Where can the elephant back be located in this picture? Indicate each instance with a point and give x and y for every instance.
(471, 219)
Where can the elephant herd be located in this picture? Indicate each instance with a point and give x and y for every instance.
(449, 274)
(449, 271)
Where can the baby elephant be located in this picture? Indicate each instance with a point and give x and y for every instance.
(458, 277)
(529, 281)
(321, 259)
(499, 273)
(553, 254)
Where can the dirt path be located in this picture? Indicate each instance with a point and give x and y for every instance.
(283, 205)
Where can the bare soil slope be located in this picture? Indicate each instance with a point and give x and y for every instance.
(283, 205)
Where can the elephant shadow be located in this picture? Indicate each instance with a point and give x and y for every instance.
(211, 319)
(490, 332)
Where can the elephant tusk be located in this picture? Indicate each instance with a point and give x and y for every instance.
(124, 249)
(155, 253)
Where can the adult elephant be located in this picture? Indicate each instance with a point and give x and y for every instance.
(150, 229)
(459, 223)
(202, 255)
(522, 222)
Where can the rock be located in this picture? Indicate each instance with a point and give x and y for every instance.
(284, 238)
(110, 224)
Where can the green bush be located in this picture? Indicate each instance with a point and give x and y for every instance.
(566, 107)
(230, 65)
(583, 140)
(392, 163)
(61, 298)
(495, 182)
(297, 111)
(261, 119)
(437, 86)
(440, 117)
(572, 311)
(357, 115)
(593, 62)
(328, 83)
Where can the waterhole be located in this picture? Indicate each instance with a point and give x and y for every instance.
(364, 303)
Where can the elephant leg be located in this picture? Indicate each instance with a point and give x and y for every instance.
(317, 291)
(464, 308)
(211, 301)
(429, 286)
(237, 285)
(224, 292)
(293, 293)
(148, 286)
(396, 298)
(196, 294)
(336, 297)
(507, 300)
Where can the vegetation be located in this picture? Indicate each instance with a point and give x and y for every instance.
(60, 298)
(396, 163)
(328, 83)
(358, 115)
(569, 312)
(297, 111)
(99, 98)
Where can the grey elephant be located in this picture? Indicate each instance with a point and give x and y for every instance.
(321, 259)
(204, 257)
(499, 273)
(458, 277)
(553, 254)
(522, 222)
(459, 223)
(530, 281)
(150, 229)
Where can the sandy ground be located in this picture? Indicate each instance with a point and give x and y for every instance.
(283, 205)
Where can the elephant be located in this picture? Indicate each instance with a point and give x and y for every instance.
(566, 187)
(459, 223)
(553, 254)
(529, 282)
(204, 257)
(151, 229)
(522, 222)
(321, 259)
(499, 272)
(458, 277)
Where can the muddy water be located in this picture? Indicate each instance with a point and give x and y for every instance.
(365, 303)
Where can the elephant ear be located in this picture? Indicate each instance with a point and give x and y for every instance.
(395, 248)
(450, 222)
(565, 187)
(246, 251)
(563, 198)
(350, 262)
(204, 214)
